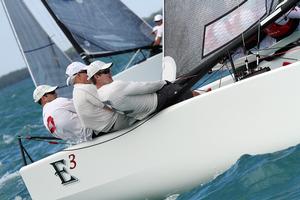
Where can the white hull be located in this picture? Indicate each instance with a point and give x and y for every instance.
(182, 146)
(149, 70)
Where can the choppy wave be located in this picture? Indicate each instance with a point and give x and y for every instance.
(172, 197)
(264, 177)
(8, 139)
(7, 177)
(19, 198)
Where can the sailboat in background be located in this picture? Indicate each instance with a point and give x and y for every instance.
(107, 30)
(92, 34)
(170, 152)
(45, 61)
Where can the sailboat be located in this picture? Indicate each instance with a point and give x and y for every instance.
(192, 141)
(44, 60)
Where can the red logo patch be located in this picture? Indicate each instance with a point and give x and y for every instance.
(51, 124)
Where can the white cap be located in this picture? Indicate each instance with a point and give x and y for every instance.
(96, 66)
(41, 90)
(73, 69)
(158, 18)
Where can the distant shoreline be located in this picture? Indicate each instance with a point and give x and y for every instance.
(14, 77)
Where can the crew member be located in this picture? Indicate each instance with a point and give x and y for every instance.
(158, 31)
(59, 115)
(92, 112)
(135, 99)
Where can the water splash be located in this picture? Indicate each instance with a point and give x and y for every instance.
(19, 198)
(8, 139)
(8, 176)
(172, 197)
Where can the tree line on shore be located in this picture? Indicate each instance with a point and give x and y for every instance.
(14, 77)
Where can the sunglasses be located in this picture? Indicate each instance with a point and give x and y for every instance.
(104, 71)
(53, 92)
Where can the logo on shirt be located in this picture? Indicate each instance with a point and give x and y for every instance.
(51, 125)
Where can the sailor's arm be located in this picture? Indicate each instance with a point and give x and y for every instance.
(136, 88)
(157, 41)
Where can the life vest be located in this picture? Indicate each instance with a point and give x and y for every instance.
(280, 31)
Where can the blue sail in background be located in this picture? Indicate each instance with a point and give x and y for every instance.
(102, 26)
(46, 62)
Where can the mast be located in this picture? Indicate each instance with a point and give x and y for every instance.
(18, 42)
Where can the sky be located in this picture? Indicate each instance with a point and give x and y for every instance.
(10, 56)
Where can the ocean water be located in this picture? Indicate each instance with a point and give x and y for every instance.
(19, 116)
(262, 177)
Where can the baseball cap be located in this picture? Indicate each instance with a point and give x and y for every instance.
(96, 66)
(41, 90)
(158, 18)
(73, 69)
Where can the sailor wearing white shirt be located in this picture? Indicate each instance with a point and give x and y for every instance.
(158, 30)
(135, 99)
(92, 112)
(59, 115)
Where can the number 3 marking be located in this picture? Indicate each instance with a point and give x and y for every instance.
(72, 161)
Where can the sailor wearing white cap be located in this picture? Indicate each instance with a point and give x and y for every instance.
(135, 99)
(92, 112)
(59, 115)
(158, 30)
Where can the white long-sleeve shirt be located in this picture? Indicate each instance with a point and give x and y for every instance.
(61, 120)
(135, 99)
(159, 31)
(91, 111)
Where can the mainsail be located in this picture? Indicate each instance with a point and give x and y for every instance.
(46, 62)
(199, 33)
(101, 27)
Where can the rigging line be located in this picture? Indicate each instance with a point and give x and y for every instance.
(281, 53)
(212, 75)
(42, 47)
(274, 48)
(231, 72)
(48, 140)
(221, 76)
(37, 137)
(192, 76)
